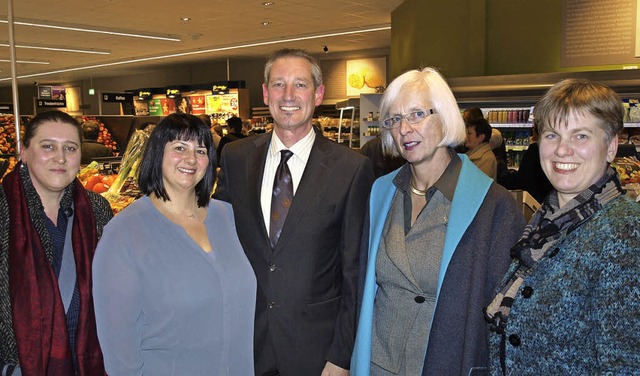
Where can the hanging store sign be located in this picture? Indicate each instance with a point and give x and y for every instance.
(51, 103)
(117, 97)
(144, 95)
(44, 92)
(171, 92)
(6, 108)
(52, 96)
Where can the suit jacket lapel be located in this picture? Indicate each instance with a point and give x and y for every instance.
(254, 171)
(313, 178)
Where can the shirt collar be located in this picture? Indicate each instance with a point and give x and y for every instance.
(300, 149)
(447, 182)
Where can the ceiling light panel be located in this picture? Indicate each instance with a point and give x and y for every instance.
(86, 29)
(216, 26)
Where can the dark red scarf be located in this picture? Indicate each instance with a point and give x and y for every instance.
(38, 314)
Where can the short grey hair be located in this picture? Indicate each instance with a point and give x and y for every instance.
(576, 96)
(444, 103)
(316, 73)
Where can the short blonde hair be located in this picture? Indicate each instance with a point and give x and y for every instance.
(576, 96)
(444, 103)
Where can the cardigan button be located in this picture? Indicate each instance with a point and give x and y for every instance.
(514, 340)
(419, 299)
(527, 291)
(272, 268)
(271, 305)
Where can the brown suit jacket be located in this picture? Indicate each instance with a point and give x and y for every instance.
(306, 301)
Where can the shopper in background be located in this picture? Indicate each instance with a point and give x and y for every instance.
(530, 176)
(49, 227)
(499, 149)
(304, 252)
(382, 163)
(235, 133)
(174, 292)
(440, 235)
(247, 128)
(214, 134)
(569, 302)
(479, 150)
(472, 114)
(91, 148)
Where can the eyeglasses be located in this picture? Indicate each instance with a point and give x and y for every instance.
(413, 117)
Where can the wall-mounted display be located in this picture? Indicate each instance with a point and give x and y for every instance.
(366, 76)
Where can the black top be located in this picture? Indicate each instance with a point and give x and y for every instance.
(93, 149)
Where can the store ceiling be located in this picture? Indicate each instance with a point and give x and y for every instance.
(214, 25)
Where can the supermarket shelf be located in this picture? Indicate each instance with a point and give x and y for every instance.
(512, 125)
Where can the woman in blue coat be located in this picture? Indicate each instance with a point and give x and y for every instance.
(439, 240)
(569, 302)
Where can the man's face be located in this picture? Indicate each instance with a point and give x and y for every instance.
(290, 93)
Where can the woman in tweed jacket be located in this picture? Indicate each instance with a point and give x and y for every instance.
(49, 227)
(569, 302)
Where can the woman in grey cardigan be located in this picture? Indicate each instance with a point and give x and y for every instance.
(569, 302)
(174, 291)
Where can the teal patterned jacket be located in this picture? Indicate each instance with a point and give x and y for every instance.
(578, 313)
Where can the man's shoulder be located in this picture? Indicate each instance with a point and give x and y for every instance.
(341, 151)
(243, 144)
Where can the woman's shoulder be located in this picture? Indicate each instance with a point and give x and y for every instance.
(622, 211)
(612, 232)
(220, 207)
(100, 205)
(138, 211)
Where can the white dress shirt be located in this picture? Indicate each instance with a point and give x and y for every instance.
(296, 163)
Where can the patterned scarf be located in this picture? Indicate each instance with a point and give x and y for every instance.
(37, 310)
(549, 225)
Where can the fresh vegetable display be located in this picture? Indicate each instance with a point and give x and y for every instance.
(93, 180)
(628, 169)
(6, 166)
(8, 134)
(124, 188)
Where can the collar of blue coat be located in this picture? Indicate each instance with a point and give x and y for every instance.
(470, 192)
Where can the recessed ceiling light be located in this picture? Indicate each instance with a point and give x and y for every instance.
(185, 19)
(268, 3)
(266, 23)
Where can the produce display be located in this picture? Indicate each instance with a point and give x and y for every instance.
(629, 172)
(124, 189)
(104, 137)
(8, 134)
(6, 166)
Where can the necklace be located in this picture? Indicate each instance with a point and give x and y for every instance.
(417, 191)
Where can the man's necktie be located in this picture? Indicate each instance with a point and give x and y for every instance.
(281, 197)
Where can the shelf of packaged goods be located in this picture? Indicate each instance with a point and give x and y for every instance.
(517, 147)
(512, 125)
(529, 125)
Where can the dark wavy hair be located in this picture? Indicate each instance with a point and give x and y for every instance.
(481, 125)
(183, 127)
(50, 116)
